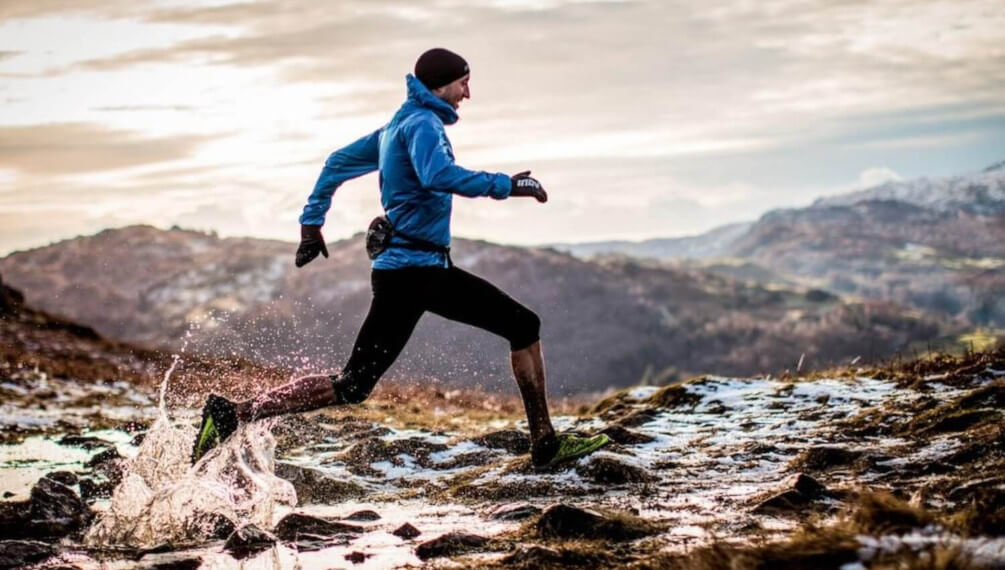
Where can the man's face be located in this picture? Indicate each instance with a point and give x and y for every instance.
(454, 93)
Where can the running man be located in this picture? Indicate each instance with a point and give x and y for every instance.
(413, 272)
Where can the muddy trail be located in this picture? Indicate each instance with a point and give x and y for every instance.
(864, 468)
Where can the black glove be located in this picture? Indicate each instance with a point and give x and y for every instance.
(524, 185)
(311, 244)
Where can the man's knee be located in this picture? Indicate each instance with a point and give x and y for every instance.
(527, 330)
(349, 390)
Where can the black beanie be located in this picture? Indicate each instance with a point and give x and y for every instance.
(438, 67)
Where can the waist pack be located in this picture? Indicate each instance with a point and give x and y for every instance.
(380, 232)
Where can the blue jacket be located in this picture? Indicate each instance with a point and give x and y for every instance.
(418, 176)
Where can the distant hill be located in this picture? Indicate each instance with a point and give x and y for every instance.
(714, 243)
(606, 323)
(937, 244)
(35, 340)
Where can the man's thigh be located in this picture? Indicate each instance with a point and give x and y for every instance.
(469, 299)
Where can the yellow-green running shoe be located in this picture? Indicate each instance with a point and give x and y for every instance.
(571, 447)
(219, 421)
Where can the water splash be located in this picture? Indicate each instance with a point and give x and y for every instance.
(163, 499)
(167, 376)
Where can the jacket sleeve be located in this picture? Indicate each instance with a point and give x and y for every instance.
(435, 167)
(346, 163)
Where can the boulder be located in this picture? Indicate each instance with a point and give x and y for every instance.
(90, 490)
(19, 553)
(801, 491)
(55, 510)
(513, 441)
(406, 531)
(363, 516)
(824, 457)
(314, 486)
(638, 417)
(248, 540)
(450, 544)
(109, 454)
(295, 524)
(607, 470)
(85, 442)
(515, 512)
(534, 556)
(565, 521)
(357, 557)
(67, 478)
(624, 436)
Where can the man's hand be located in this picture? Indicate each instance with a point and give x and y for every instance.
(524, 185)
(311, 244)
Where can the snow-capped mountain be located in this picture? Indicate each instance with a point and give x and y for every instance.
(980, 193)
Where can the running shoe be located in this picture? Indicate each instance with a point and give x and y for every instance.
(573, 447)
(219, 421)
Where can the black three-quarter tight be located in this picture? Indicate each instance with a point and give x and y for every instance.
(401, 296)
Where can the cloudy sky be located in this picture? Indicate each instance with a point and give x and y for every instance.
(642, 118)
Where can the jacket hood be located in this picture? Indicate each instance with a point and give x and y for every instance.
(419, 94)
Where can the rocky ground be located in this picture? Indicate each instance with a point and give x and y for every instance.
(893, 467)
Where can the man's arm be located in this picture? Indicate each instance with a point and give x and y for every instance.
(437, 171)
(349, 162)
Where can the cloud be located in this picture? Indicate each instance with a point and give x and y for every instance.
(877, 175)
(695, 113)
(131, 108)
(63, 148)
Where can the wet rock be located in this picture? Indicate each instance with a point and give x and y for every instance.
(513, 441)
(110, 454)
(759, 448)
(517, 489)
(248, 540)
(825, 457)
(84, 442)
(624, 436)
(294, 430)
(674, 396)
(170, 561)
(534, 556)
(808, 485)
(802, 491)
(466, 460)
(295, 524)
(363, 516)
(985, 515)
(450, 544)
(14, 517)
(91, 490)
(406, 531)
(359, 457)
(565, 521)
(313, 486)
(308, 542)
(212, 525)
(515, 512)
(970, 489)
(608, 470)
(639, 417)
(963, 421)
(65, 477)
(18, 553)
(357, 557)
(55, 510)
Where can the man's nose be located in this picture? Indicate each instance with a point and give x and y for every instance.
(467, 92)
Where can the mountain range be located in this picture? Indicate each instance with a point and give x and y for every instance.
(935, 244)
(607, 322)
